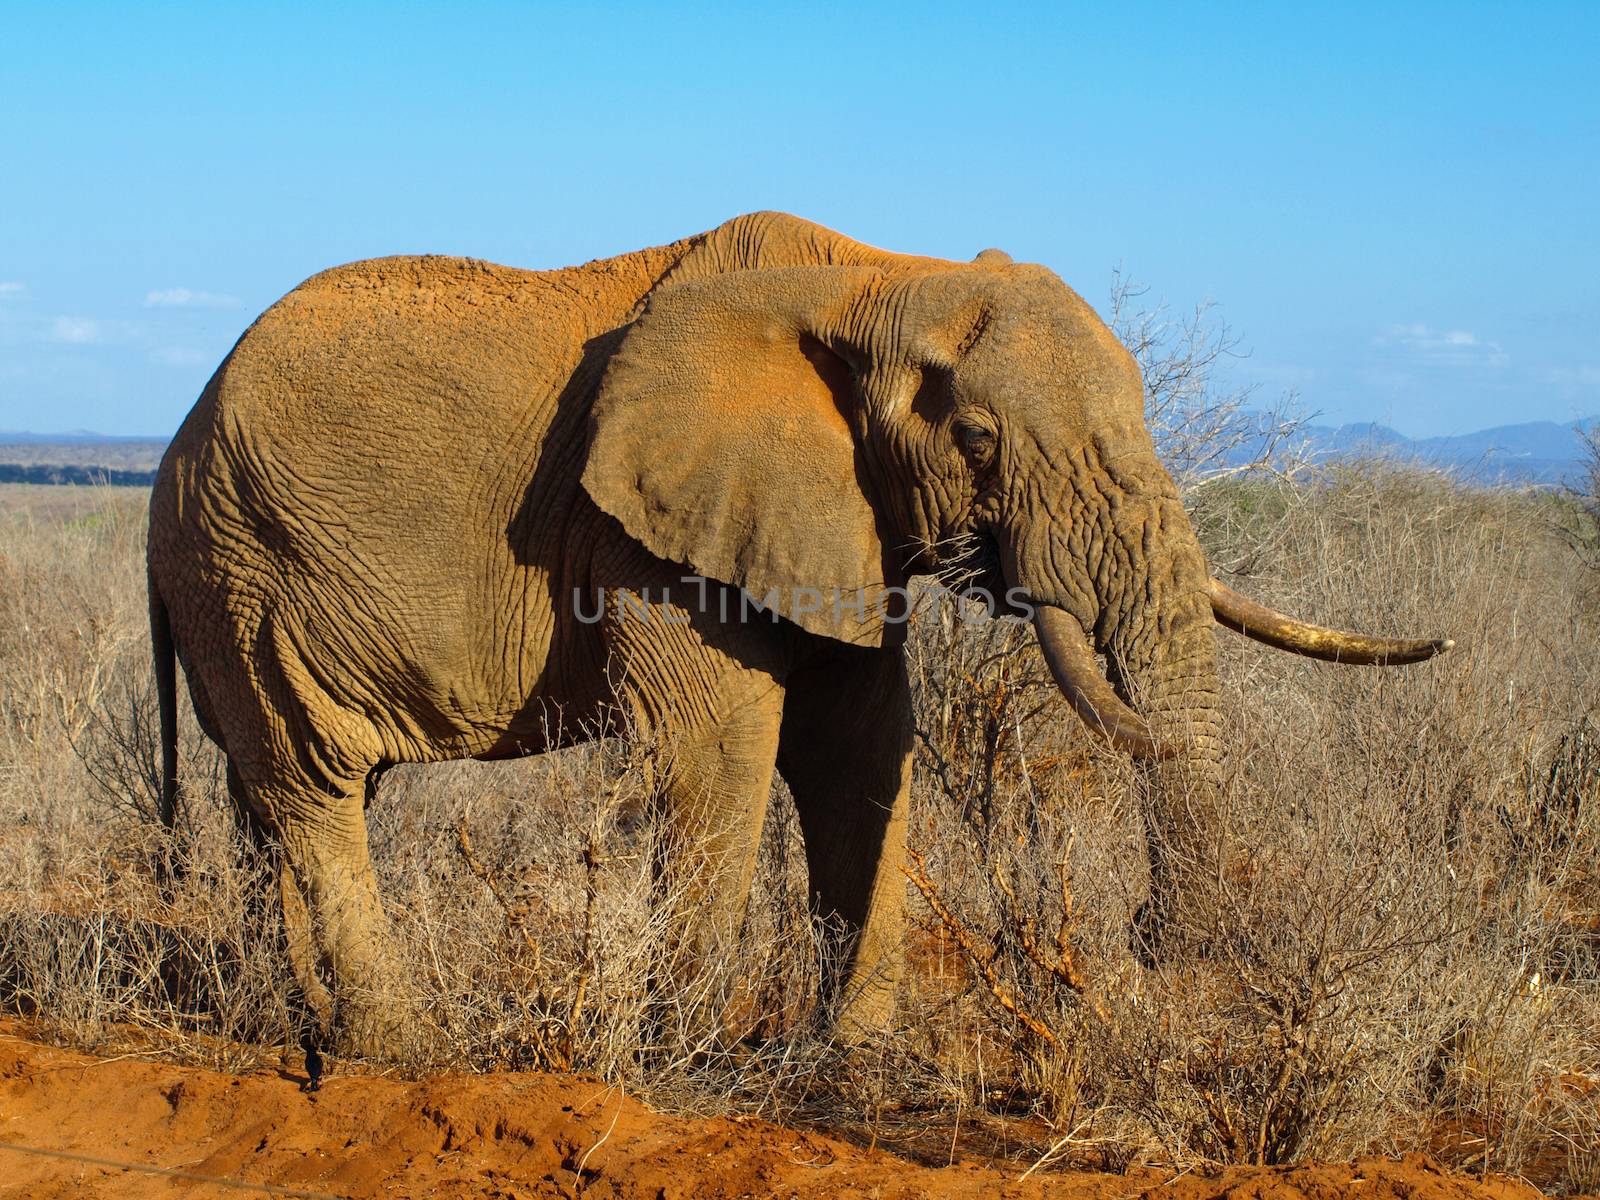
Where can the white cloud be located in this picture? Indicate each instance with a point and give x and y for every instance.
(10, 287)
(1443, 348)
(179, 356)
(79, 331)
(182, 297)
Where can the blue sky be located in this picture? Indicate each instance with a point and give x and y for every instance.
(1394, 205)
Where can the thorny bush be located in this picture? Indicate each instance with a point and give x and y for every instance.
(1413, 943)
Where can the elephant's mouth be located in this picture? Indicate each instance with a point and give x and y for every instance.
(974, 571)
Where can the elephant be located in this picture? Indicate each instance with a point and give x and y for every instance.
(413, 513)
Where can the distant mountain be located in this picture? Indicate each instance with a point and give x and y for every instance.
(78, 457)
(1545, 452)
(1367, 435)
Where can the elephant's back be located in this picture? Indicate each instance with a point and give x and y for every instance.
(356, 462)
(382, 397)
(373, 376)
(414, 338)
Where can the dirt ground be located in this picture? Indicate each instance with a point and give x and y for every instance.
(210, 1134)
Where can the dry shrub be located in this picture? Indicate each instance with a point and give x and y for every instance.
(525, 897)
(1412, 953)
(88, 936)
(522, 894)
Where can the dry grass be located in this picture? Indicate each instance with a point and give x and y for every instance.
(1414, 949)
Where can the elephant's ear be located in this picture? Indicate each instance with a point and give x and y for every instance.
(722, 439)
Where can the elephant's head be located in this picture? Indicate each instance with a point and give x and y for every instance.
(824, 432)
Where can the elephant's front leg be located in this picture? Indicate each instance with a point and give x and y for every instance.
(716, 781)
(845, 751)
(711, 716)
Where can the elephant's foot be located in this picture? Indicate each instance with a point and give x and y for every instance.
(378, 1018)
(369, 1007)
(866, 1006)
(359, 1031)
(694, 1013)
(1187, 917)
(362, 1038)
(1163, 935)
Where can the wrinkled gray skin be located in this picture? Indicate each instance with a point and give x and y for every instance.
(366, 540)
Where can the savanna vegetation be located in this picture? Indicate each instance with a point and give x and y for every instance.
(1411, 947)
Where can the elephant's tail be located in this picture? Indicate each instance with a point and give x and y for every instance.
(166, 663)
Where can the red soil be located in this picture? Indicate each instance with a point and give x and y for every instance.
(520, 1135)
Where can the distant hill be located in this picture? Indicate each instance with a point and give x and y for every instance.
(1533, 452)
(79, 457)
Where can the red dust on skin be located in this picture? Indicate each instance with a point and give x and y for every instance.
(527, 1135)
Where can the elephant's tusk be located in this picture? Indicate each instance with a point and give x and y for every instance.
(1273, 628)
(1078, 676)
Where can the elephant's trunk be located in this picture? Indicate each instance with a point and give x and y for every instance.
(1162, 706)
(1176, 685)
(1149, 610)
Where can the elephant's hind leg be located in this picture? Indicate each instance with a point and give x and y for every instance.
(334, 922)
(845, 751)
(299, 771)
(313, 1006)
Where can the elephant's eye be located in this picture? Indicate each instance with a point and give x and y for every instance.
(976, 442)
